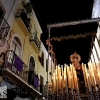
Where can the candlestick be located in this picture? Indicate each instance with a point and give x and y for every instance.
(54, 83)
(59, 74)
(62, 80)
(57, 84)
(84, 74)
(91, 73)
(66, 80)
(52, 86)
(57, 80)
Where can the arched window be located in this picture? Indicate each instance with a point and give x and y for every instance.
(31, 70)
(31, 64)
(16, 46)
(14, 55)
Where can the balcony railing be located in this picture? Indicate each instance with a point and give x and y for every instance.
(14, 70)
(35, 39)
(4, 28)
(15, 64)
(34, 81)
(21, 13)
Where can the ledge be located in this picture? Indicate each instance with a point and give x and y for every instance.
(19, 81)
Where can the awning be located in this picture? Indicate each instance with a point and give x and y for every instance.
(19, 81)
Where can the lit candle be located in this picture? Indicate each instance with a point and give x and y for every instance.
(70, 79)
(98, 78)
(95, 73)
(59, 76)
(52, 85)
(91, 73)
(64, 75)
(72, 76)
(62, 81)
(57, 79)
(57, 84)
(84, 74)
(65, 78)
(68, 74)
(54, 81)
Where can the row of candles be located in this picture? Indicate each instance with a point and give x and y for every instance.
(91, 76)
(65, 77)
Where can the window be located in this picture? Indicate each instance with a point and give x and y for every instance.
(39, 58)
(41, 84)
(2, 13)
(16, 46)
(31, 64)
(15, 55)
(31, 70)
(42, 59)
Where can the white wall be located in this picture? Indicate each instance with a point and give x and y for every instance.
(46, 57)
(96, 9)
(9, 6)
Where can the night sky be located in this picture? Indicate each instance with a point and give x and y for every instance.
(56, 11)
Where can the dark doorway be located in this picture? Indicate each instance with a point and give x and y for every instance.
(31, 70)
(41, 84)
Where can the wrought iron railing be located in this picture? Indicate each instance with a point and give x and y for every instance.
(4, 28)
(35, 39)
(21, 13)
(33, 79)
(15, 64)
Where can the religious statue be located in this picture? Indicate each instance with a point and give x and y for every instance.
(75, 59)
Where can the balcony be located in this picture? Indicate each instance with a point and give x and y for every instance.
(14, 70)
(24, 21)
(35, 41)
(4, 28)
(15, 64)
(33, 80)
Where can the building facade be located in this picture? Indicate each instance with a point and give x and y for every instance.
(95, 47)
(23, 57)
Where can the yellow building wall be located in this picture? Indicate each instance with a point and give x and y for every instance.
(42, 70)
(28, 50)
(32, 30)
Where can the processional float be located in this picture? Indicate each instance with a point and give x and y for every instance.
(67, 85)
